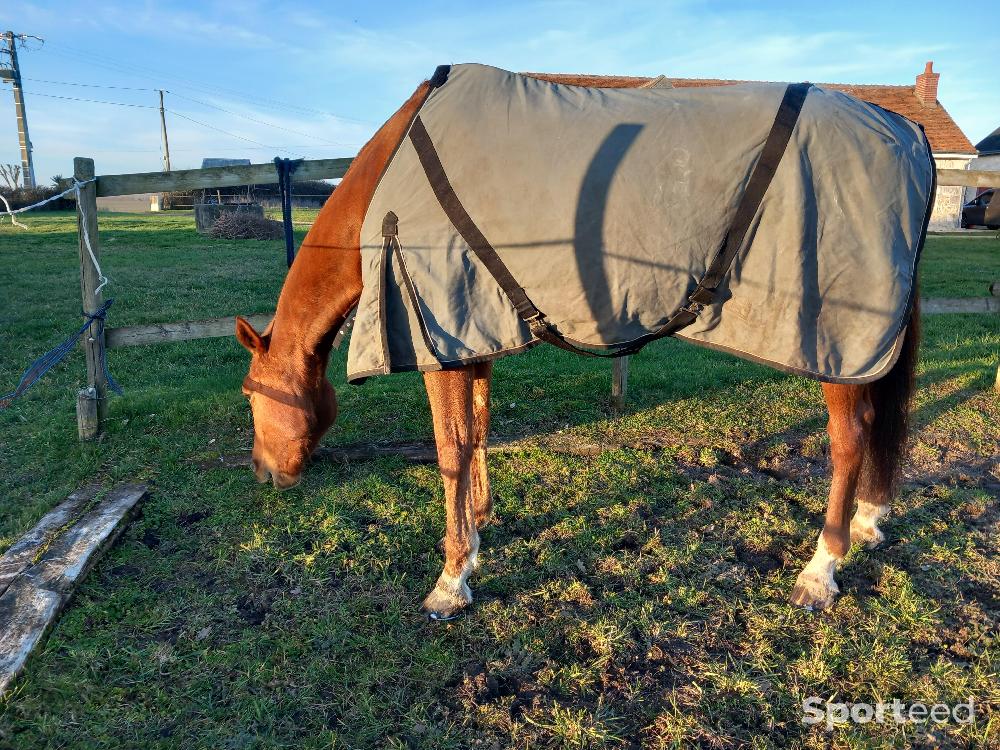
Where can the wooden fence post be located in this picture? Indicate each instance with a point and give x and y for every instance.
(619, 382)
(91, 405)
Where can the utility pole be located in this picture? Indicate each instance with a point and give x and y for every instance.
(13, 74)
(163, 133)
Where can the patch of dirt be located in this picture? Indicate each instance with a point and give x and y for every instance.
(253, 611)
(185, 520)
(763, 562)
(478, 686)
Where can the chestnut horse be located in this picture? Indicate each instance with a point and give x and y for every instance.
(293, 404)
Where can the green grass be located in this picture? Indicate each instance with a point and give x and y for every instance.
(959, 267)
(637, 596)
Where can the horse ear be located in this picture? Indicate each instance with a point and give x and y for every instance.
(247, 336)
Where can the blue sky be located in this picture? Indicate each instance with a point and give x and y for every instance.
(316, 79)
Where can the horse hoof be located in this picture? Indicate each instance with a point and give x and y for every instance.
(814, 593)
(442, 605)
(435, 617)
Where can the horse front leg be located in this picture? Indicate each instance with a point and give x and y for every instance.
(482, 498)
(851, 416)
(451, 398)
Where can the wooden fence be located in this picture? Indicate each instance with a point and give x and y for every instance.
(92, 400)
(91, 403)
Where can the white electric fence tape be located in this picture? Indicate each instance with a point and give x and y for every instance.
(86, 236)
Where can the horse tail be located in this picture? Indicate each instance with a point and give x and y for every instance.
(890, 397)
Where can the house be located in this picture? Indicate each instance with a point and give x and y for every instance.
(989, 158)
(235, 194)
(949, 145)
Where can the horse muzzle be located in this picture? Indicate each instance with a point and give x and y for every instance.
(281, 480)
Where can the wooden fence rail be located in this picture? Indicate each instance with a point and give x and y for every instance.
(92, 400)
(977, 178)
(185, 330)
(328, 169)
(215, 177)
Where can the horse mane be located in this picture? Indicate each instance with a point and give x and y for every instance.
(324, 283)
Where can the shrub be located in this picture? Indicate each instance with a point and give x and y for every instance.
(20, 197)
(239, 225)
(309, 192)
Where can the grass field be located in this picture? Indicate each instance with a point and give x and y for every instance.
(632, 594)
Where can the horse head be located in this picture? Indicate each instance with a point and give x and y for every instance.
(291, 410)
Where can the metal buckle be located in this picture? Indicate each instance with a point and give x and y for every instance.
(693, 308)
(536, 322)
(702, 296)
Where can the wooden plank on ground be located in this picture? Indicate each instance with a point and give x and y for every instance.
(21, 555)
(35, 596)
(26, 613)
(161, 333)
(942, 305)
(215, 177)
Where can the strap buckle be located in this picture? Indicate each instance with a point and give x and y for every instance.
(692, 308)
(702, 296)
(537, 323)
(699, 299)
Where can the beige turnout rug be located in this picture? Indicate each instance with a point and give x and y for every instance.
(779, 223)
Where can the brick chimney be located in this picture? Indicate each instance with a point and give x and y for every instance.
(926, 88)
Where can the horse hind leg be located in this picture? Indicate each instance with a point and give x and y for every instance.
(851, 416)
(879, 474)
(451, 397)
(889, 399)
(873, 506)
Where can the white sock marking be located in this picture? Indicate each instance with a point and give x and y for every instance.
(864, 525)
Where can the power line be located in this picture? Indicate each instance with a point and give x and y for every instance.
(182, 96)
(254, 119)
(88, 85)
(233, 135)
(178, 114)
(92, 101)
(111, 64)
(196, 122)
(173, 93)
(157, 74)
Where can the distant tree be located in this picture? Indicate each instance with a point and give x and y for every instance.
(56, 179)
(11, 174)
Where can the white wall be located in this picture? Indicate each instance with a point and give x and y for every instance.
(947, 211)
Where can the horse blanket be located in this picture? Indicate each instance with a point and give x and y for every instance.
(781, 223)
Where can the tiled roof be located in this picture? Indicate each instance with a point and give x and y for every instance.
(943, 133)
(990, 144)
